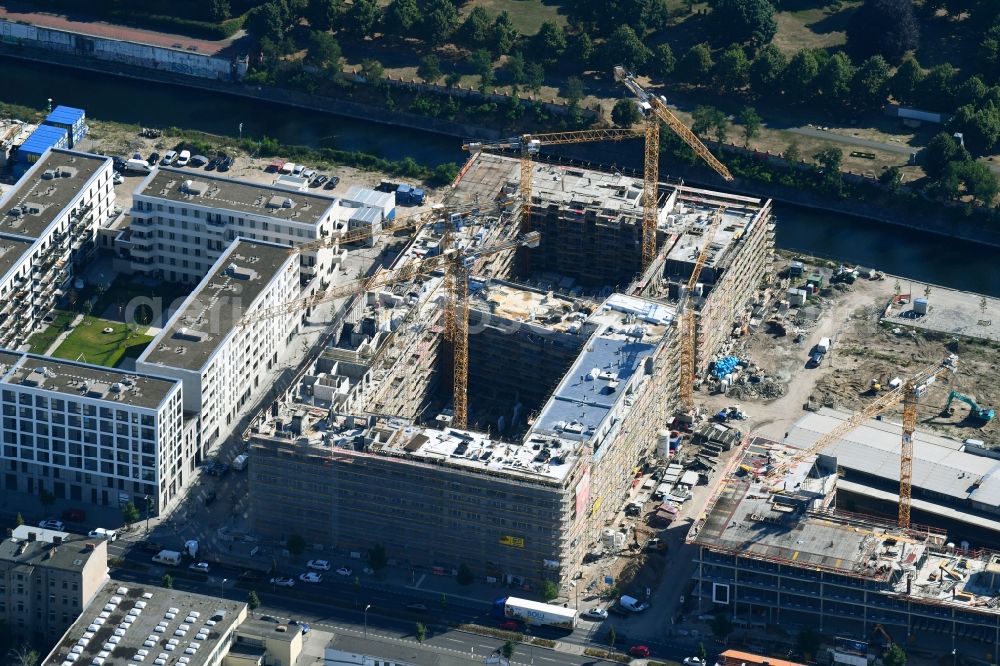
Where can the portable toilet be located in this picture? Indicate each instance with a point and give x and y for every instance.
(73, 120)
(920, 306)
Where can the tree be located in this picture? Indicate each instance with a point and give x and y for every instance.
(19, 519)
(296, 544)
(445, 174)
(941, 150)
(535, 76)
(465, 575)
(971, 91)
(482, 64)
(808, 642)
(548, 590)
(625, 113)
(452, 80)
(906, 81)
(420, 632)
(439, 21)
(625, 48)
(324, 50)
(167, 581)
(829, 161)
(883, 27)
(373, 72)
(697, 63)
(721, 626)
(504, 33)
(702, 653)
(751, 123)
(800, 75)
(891, 179)
(937, 89)
(732, 68)
(612, 638)
(377, 557)
(268, 21)
(663, 62)
(550, 42)
(323, 14)
(583, 49)
(130, 513)
(894, 656)
(23, 655)
(870, 83)
(980, 127)
(507, 650)
(253, 601)
(835, 78)
(740, 21)
(364, 17)
(989, 52)
(475, 30)
(708, 118)
(219, 10)
(401, 16)
(767, 69)
(572, 91)
(975, 177)
(429, 68)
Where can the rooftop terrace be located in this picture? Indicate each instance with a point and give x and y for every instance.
(46, 190)
(206, 189)
(126, 621)
(209, 314)
(83, 381)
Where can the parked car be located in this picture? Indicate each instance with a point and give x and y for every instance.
(118, 162)
(301, 625)
(510, 625)
(199, 161)
(299, 168)
(227, 162)
(311, 577)
(213, 164)
(318, 565)
(815, 360)
(74, 515)
(596, 613)
(201, 567)
(639, 651)
(345, 571)
(52, 525)
(154, 157)
(332, 183)
(283, 582)
(309, 174)
(118, 178)
(183, 158)
(693, 661)
(168, 158)
(416, 608)
(318, 180)
(269, 618)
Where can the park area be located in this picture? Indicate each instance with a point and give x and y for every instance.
(102, 342)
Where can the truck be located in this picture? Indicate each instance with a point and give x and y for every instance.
(169, 557)
(534, 613)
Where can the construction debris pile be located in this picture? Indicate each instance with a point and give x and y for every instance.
(741, 378)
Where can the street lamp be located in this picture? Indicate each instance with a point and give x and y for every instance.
(149, 505)
(222, 587)
(366, 619)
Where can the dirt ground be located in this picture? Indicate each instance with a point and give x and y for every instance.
(862, 350)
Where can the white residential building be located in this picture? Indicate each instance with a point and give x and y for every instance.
(48, 221)
(93, 434)
(220, 363)
(182, 221)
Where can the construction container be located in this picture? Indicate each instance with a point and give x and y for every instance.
(920, 306)
(73, 120)
(663, 443)
(796, 269)
(796, 297)
(41, 140)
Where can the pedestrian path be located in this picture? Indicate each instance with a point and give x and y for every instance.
(77, 320)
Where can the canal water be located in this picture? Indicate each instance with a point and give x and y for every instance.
(917, 255)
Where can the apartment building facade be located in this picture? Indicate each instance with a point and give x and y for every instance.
(91, 433)
(47, 578)
(221, 362)
(183, 221)
(48, 222)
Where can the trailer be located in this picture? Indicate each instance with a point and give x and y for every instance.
(536, 613)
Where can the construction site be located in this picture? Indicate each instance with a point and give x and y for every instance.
(490, 396)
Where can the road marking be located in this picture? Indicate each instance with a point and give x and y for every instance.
(453, 640)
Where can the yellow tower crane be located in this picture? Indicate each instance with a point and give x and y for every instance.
(688, 329)
(909, 393)
(456, 266)
(656, 111)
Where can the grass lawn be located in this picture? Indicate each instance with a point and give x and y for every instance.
(815, 28)
(113, 302)
(89, 343)
(527, 15)
(41, 341)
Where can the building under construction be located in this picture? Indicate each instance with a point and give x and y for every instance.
(572, 371)
(775, 552)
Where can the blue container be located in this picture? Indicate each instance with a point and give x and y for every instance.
(73, 120)
(417, 196)
(42, 139)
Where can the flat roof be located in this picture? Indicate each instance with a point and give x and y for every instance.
(207, 189)
(370, 198)
(526, 304)
(36, 547)
(81, 380)
(43, 138)
(940, 464)
(628, 330)
(614, 195)
(12, 249)
(39, 190)
(126, 620)
(208, 315)
(689, 220)
(65, 114)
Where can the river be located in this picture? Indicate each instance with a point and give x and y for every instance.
(917, 255)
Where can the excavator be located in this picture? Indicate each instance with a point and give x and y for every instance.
(984, 414)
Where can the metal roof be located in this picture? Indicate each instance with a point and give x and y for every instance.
(371, 198)
(65, 115)
(43, 138)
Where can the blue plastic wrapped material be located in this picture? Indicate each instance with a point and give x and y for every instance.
(724, 366)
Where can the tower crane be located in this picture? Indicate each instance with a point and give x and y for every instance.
(909, 394)
(656, 111)
(687, 320)
(456, 265)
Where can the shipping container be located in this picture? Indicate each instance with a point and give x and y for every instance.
(72, 120)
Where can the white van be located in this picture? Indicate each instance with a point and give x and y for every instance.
(101, 533)
(823, 346)
(183, 158)
(240, 462)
